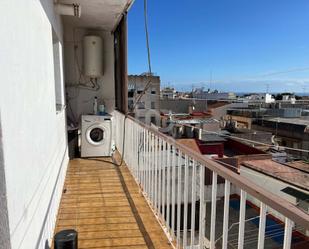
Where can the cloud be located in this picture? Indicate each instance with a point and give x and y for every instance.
(248, 85)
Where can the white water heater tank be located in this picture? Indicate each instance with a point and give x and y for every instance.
(93, 56)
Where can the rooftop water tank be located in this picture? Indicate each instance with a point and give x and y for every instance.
(93, 56)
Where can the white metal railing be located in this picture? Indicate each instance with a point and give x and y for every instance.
(172, 178)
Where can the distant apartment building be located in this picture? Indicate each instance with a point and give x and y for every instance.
(146, 108)
(182, 105)
(260, 97)
(289, 132)
(199, 93)
(287, 125)
(168, 93)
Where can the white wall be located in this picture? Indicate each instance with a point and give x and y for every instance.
(34, 140)
(81, 100)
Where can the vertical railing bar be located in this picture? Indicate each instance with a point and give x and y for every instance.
(132, 144)
(144, 159)
(139, 155)
(262, 223)
(160, 176)
(288, 229)
(137, 152)
(226, 214)
(173, 189)
(168, 168)
(213, 210)
(156, 175)
(202, 221)
(179, 183)
(132, 154)
(193, 203)
(185, 222)
(152, 167)
(242, 217)
(148, 165)
(163, 180)
(145, 163)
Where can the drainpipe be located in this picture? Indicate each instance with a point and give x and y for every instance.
(68, 9)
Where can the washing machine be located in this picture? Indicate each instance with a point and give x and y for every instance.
(96, 136)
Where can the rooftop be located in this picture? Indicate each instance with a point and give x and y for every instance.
(208, 137)
(217, 104)
(295, 121)
(280, 171)
(301, 165)
(191, 143)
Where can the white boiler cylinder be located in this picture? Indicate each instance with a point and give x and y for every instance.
(93, 56)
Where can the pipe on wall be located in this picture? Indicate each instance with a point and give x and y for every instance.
(68, 9)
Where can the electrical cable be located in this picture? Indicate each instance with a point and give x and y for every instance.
(251, 141)
(148, 56)
(147, 36)
(242, 139)
(146, 87)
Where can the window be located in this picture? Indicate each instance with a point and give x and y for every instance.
(130, 103)
(153, 105)
(131, 93)
(142, 119)
(153, 91)
(58, 73)
(141, 105)
(153, 120)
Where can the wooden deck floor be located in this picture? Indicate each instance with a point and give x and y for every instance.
(102, 202)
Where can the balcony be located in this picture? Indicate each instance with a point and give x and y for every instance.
(103, 203)
(166, 195)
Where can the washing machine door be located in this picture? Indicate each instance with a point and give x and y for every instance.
(95, 134)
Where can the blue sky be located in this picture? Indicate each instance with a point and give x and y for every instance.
(243, 45)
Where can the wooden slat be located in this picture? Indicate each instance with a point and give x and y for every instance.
(95, 203)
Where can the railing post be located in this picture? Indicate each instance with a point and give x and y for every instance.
(261, 238)
(173, 163)
(202, 220)
(213, 210)
(185, 222)
(147, 164)
(168, 204)
(226, 214)
(179, 194)
(193, 203)
(288, 228)
(156, 175)
(163, 181)
(152, 167)
(242, 216)
(160, 178)
(144, 160)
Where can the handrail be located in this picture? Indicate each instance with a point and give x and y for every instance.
(272, 200)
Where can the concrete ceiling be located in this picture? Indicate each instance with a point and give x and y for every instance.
(102, 14)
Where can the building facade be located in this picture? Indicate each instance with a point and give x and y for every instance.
(168, 93)
(146, 106)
